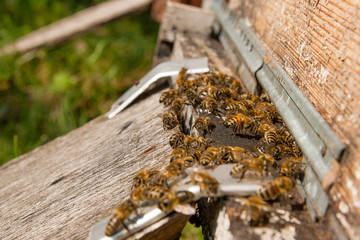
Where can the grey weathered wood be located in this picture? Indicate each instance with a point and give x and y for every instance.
(59, 190)
(73, 25)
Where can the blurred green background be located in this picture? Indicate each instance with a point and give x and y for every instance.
(54, 90)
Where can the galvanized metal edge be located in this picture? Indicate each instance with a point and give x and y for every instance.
(320, 145)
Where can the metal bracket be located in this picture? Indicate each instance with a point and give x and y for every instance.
(321, 147)
(165, 69)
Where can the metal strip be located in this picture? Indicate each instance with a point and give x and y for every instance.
(165, 69)
(319, 144)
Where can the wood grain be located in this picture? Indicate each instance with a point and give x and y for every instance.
(60, 190)
(318, 44)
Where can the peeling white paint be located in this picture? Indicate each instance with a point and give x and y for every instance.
(286, 233)
(352, 234)
(323, 75)
(286, 216)
(223, 221)
(343, 207)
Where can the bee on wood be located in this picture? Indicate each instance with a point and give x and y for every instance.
(275, 188)
(170, 120)
(255, 214)
(143, 177)
(233, 154)
(177, 153)
(199, 143)
(168, 97)
(211, 156)
(207, 183)
(177, 106)
(122, 214)
(240, 123)
(254, 166)
(177, 139)
(292, 168)
(193, 98)
(204, 125)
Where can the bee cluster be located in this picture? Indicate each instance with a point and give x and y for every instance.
(221, 102)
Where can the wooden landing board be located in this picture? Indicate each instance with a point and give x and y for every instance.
(318, 44)
(60, 190)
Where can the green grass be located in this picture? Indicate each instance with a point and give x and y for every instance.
(55, 90)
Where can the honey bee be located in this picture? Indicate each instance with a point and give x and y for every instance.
(171, 201)
(154, 193)
(237, 107)
(139, 195)
(255, 214)
(292, 168)
(224, 93)
(182, 76)
(264, 97)
(199, 143)
(265, 107)
(268, 159)
(143, 177)
(207, 183)
(250, 96)
(296, 150)
(177, 153)
(170, 120)
(286, 136)
(122, 214)
(254, 166)
(168, 96)
(280, 150)
(271, 137)
(275, 188)
(177, 139)
(239, 123)
(226, 101)
(192, 98)
(210, 105)
(175, 168)
(204, 125)
(210, 156)
(233, 154)
(177, 106)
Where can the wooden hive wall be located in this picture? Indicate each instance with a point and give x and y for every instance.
(318, 44)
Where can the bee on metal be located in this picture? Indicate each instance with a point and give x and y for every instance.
(193, 98)
(175, 168)
(207, 183)
(171, 201)
(144, 177)
(296, 150)
(240, 123)
(210, 105)
(275, 188)
(170, 120)
(210, 156)
(292, 168)
(168, 96)
(231, 154)
(204, 125)
(253, 166)
(255, 213)
(154, 193)
(177, 153)
(122, 214)
(182, 76)
(177, 139)
(139, 195)
(177, 106)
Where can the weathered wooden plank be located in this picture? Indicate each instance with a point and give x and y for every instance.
(59, 190)
(73, 25)
(317, 43)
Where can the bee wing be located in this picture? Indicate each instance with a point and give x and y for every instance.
(185, 209)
